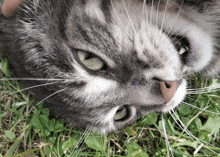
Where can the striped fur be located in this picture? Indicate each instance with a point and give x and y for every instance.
(134, 38)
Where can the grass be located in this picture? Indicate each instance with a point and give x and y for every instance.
(28, 130)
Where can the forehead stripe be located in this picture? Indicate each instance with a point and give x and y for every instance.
(106, 9)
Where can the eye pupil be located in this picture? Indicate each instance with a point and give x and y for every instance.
(121, 113)
(90, 61)
(89, 56)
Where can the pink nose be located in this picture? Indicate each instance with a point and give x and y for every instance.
(168, 89)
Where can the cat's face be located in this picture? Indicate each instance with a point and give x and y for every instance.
(110, 57)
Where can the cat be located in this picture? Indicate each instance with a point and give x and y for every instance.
(106, 63)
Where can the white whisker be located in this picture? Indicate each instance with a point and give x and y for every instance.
(177, 40)
(201, 109)
(31, 79)
(120, 21)
(143, 10)
(146, 16)
(86, 136)
(204, 88)
(29, 88)
(151, 12)
(46, 99)
(83, 135)
(166, 138)
(80, 142)
(158, 6)
(161, 28)
(191, 135)
(203, 91)
(175, 19)
(212, 88)
(126, 10)
(214, 85)
(183, 127)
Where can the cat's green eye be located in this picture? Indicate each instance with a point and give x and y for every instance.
(90, 60)
(121, 113)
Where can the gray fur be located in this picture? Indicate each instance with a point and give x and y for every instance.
(134, 40)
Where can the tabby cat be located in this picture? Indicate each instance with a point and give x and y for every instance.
(106, 63)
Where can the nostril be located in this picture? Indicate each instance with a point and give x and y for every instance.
(167, 85)
(168, 89)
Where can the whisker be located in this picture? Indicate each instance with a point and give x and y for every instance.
(184, 128)
(120, 21)
(204, 88)
(151, 12)
(214, 85)
(212, 88)
(82, 136)
(175, 19)
(165, 10)
(158, 5)
(46, 99)
(177, 40)
(201, 109)
(126, 10)
(202, 92)
(143, 10)
(31, 79)
(28, 89)
(166, 138)
(146, 16)
(191, 135)
(80, 142)
(86, 136)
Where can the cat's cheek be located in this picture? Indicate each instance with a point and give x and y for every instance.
(98, 85)
(177, 98)
(96, 90)
(107, 121)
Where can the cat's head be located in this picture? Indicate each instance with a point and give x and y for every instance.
(108, 57)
